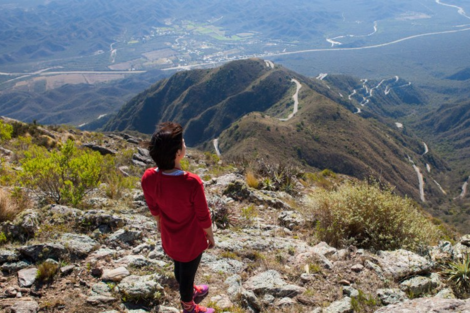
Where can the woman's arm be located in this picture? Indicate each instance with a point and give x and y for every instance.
(210, 237)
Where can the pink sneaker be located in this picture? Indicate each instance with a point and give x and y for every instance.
(200, 292)
(196, 308)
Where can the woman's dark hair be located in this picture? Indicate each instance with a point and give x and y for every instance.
(165, 143)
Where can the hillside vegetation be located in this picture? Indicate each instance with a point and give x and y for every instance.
(274, 227)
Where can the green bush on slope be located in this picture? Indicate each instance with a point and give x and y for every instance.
(64, 176)
(368, 217)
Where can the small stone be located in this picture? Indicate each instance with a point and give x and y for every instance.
(307, 277)
(222, 301)
(10, 292)
(115, 275)
(67, 270)
(446, 293)
(340, 306)
(27, 277)
(465, 240)
(417, 285)
(249, 300)
(350, 292)
(285, 302)
(344, 282)
(24, 307)
(357, 268)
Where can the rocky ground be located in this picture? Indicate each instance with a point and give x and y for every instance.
(108, 258)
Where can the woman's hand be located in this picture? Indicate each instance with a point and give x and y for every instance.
(210, 238)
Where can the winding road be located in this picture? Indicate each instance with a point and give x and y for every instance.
(296, 101)
(421, 182)
(216, 146)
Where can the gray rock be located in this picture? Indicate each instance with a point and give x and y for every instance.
(426, 305)
(391, 296)
(142, 247)
(101, 289)
(115, 275)
(374, 267)
(443, 252)
(272, 283)
(97, 300)
(446, 293)
(167, 309)
(249, 300)
(24, 226)
(43, 251)
(95, 218)
(8, 256)
(24, 307)
(324, 249)
(418, 285)
(234, 286)
(102, 150)
(63, 211)
(307, 277)
(285, 302)
(78, 245)
(228, 266)
(350, 292)
(340, 306)
(460, 251)
(140, 288)
(67, 270)
(125, 236)
(312, 257)
(103, 253)
(15, 266)
(134, 260)
(222, 301)
(290, 219)
(268, 299)
(465, 240)
(27, 277)
(402, 263)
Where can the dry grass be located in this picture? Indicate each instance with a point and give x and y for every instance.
(371, 218)
(251, 180)
(12, 204)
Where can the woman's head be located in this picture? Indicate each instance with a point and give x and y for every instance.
(167, 145)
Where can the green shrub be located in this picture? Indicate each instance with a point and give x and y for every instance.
(64, 175)
(5, 131)
(458, 274)
(368, 217)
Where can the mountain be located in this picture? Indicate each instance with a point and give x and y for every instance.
(246, 105)
(73, 104)
(461, 75)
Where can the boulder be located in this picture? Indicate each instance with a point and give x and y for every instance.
(234, 286)
(140, 288)
(95, 218)
(272, 283)
(340, 306)
(27, 277)
(43, 251)
(391, 296)
(418, 286)
(402, 263)
(426, 305)
(324, 249)
(249, 300)
(465, 240)
(222, 301)
(15, 266)
(125, 236)
(228, 266)
(8, 256)
(24, 307)
(102, 150)
(78, 245)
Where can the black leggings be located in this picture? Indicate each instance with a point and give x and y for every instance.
(185, 272)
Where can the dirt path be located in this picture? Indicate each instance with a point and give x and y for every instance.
(216, 146)
(296, 101)
(464, 189)
(421, 182)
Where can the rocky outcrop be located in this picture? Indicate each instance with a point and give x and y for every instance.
(426, 305)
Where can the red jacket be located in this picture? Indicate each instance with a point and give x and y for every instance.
(181, 204)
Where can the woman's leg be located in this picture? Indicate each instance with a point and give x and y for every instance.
(186, 273)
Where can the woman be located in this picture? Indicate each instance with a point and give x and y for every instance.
(176, 200)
